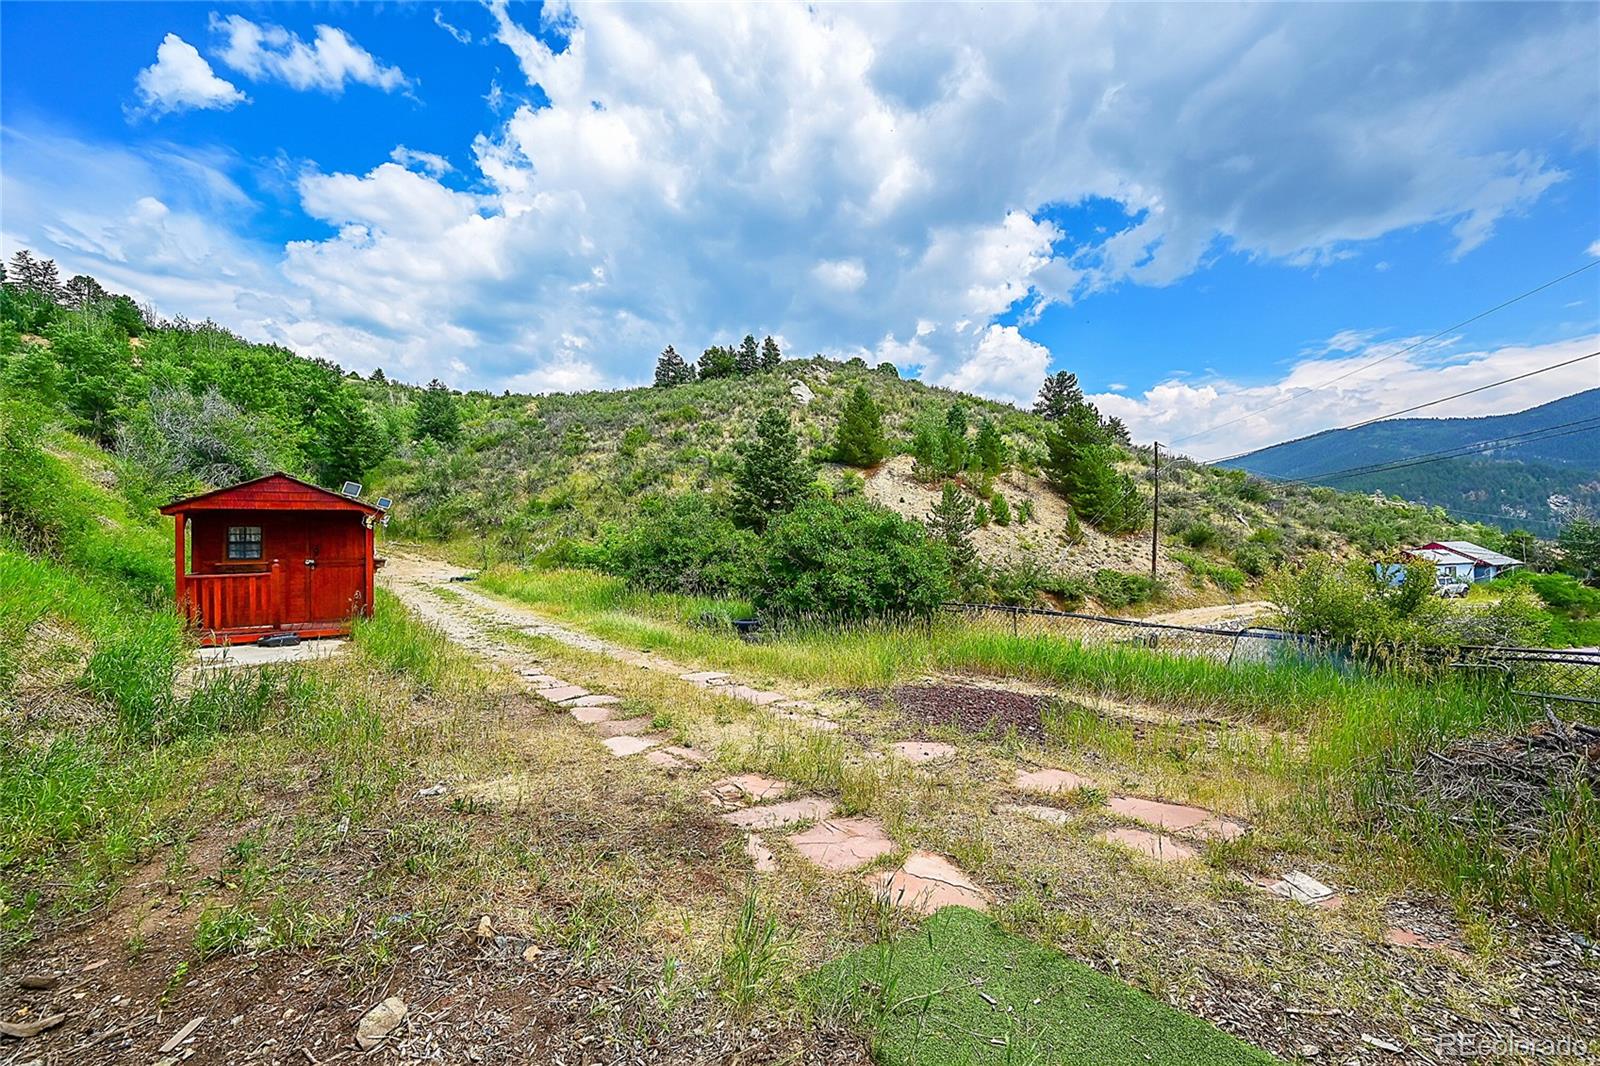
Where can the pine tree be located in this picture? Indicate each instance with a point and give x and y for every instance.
(951, 522)
(82, 291)
(1058, 396)
(860, 440)
(954, 440)
(22, 268)
(437, 416)
(718, 362)
(748, 358)
(126, 316)
(888, 370)
(771, 357)
(1117, 430)
(672, 369)
(46, 280)
(1000, 509)
(772, 478)
(989, 448)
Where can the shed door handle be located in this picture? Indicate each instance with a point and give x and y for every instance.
(311, 563)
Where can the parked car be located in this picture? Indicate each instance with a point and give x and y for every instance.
(1450, 588)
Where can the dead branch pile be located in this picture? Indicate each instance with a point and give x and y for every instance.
(1509, 779)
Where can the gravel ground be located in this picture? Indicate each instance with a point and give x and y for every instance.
(967, 707)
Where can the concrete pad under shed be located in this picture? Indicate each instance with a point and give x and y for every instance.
(631, 745)
(927, 882)
(1051, 781)
(240, 656)
(921, 751)
(1157, 846)
(805, 809)
(843, 843)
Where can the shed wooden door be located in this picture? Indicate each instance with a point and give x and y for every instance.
(338, 579)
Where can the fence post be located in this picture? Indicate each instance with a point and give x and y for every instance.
(1014, 613)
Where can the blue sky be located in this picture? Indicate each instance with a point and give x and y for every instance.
(1197, 209)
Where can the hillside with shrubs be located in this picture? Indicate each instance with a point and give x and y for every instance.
(806, 485)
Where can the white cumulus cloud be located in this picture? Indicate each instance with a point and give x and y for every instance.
(1247, 417)
(842, 275)
(181, 80)
(265, 52)
(899, 182)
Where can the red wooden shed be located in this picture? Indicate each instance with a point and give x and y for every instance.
(273, 555)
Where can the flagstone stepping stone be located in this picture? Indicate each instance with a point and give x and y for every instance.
(843, 843)
(694, 755)
(1052, 815)
(540, 679)
(921, 751)
(562, 692)
(665, 760)
(1176, 817)
(591, 715)
(592, 701)
(616, 728)
(744, 789)
(1051, 781)
(1157, 846)
(806, 721)
(1398, 937)
(761, 855)
(927, 882)
(755, 695)
(704, 677)
(778, 815)
(631, 745)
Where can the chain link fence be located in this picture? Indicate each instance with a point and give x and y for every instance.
(1566, 680)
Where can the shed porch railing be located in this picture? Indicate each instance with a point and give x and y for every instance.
(248, 600)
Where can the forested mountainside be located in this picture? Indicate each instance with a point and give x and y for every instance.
(1529, 469)
(1046, 497)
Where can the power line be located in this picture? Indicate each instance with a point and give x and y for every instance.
(1402, 464)
(1392, 355)
(1398, 464)
(1430, 403)
(1530, 436)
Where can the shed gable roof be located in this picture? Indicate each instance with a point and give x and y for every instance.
(272, 492)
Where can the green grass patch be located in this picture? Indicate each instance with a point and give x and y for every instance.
(961, 990)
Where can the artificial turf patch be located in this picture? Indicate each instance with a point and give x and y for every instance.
(962, 990)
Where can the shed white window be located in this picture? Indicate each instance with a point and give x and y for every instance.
(244, 542)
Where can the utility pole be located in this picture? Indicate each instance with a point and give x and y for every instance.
(1155, 512)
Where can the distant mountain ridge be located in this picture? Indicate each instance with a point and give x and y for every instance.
(1510, 484)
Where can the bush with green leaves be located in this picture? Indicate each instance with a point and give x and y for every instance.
(1199, 534)
(1000, 510)
(849, 560)
(685, 544)
(1115, 589)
